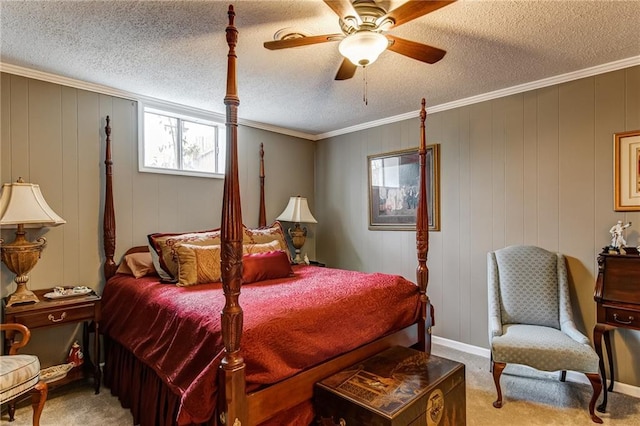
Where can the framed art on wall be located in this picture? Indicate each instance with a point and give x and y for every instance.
(626, 168)
(393, 189)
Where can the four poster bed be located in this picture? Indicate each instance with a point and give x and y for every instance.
(193, 354)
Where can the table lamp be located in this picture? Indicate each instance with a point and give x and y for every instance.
(23, 206)
(297, 211)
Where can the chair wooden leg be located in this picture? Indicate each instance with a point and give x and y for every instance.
(38, 398)
(596, 384)
(497, 372)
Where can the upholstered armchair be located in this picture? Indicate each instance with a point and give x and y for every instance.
(530, 317)
(20, 374)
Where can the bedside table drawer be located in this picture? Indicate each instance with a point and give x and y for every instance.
(623, 318)
(60, 315)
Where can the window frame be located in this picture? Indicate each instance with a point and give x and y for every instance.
(182, 114)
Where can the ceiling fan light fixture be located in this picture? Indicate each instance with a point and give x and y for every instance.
(363, 47)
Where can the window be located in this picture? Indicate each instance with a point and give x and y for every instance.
(175, 142)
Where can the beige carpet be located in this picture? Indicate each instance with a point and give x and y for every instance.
(531, 398)
(534, 398)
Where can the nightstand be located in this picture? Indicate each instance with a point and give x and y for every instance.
(54, 312)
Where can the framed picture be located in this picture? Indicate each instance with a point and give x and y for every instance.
(626, 168)
(393, 189)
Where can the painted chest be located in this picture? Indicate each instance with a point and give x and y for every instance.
(397, 387)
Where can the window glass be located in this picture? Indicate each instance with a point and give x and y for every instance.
(198, 146)
(160, 137)
(177, 143)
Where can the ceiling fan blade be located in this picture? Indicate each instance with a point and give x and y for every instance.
(346, 70)
(413, 9)
(412, 49)
(343, 8)
(301, 41)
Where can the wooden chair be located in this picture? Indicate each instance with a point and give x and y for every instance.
(530, 317)
(20, 374)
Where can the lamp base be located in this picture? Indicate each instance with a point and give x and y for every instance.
(298, 260)
(22, 295)
(20, 257)
(298, 236)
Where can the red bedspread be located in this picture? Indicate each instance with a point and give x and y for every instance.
(289, 324)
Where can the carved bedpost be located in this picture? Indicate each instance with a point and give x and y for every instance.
(232, 409)
(109, 219)
(422, 242)
(262, 218)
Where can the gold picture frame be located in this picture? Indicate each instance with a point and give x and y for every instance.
(626, 167)
(393, 189)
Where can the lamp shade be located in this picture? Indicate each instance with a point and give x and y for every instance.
(297, 211)
(363, 48)
(23, 203)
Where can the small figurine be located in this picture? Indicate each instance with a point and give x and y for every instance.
(75, 355)
(617, 240)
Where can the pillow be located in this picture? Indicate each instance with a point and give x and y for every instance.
(155, 258)
(164, 246)
(198, 264)
(261, 248)
(137, 264)
(266, 235)
(265, 266)
(123, 268)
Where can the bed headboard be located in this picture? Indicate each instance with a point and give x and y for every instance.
(109, 222)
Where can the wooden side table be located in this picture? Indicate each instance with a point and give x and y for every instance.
(55, 312)
(617, 297)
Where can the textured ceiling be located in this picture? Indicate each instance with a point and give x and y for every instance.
(176, 51)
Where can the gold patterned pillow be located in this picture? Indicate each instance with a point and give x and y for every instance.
(165, 244)
(198, 264)
(260, 248)
(266, 235)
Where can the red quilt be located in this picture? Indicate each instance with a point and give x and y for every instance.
(290, 324)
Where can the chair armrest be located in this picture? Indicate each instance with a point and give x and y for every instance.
(26, 335)
(495, 327)
(570, 329)
(495, 316)
(566, 313)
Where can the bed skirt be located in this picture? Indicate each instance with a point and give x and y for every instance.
(151, 401)
(138, 387)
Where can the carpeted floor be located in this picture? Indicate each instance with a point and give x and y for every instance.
(534, 398)
(531, 398)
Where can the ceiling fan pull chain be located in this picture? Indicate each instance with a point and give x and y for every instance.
(365, 97)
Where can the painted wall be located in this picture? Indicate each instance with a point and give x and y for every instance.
(532, 168)
(54, 135)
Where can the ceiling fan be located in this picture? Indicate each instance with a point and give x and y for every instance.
(364, 26)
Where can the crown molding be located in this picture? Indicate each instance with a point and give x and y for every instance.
(538, 84)
(110, 91)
